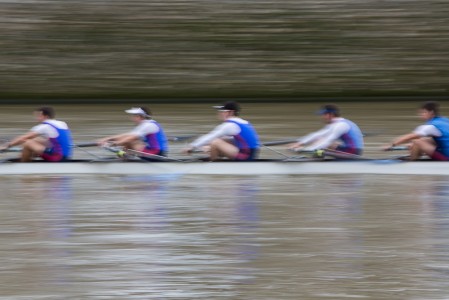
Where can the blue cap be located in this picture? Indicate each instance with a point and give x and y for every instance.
(328, 109)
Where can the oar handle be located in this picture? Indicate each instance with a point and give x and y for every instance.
(280, 142)
(397, 148)
(87, 144)
(180, 138)
(12, 149)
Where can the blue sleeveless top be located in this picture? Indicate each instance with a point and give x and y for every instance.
(158, 140)
(354, 137)
(63, 142)
(247, 138)
(442, 124)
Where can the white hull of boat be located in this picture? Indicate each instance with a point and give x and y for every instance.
(228, 168)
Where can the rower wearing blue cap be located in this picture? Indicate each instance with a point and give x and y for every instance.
(339, 134)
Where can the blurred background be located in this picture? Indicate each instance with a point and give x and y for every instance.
(197, 49)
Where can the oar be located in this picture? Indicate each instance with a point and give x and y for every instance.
(138, 154)
(275, 151)
(280, 142)
(180, 138)
(343, 155)
(84, 145)
(373, 132)
(282, 154)
(397, 148)
(334, 153)
(12, 149)
(141, 154)
(170, 139)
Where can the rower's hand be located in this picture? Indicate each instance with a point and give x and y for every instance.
(101, 142)
(105, 143)
(295, 147)
(4, 147)
(388, 147)
(187, 150)
(392, 147)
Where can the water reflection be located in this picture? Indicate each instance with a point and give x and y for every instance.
(191, 237)
(36, 225)
(434, 200)
(150, 234)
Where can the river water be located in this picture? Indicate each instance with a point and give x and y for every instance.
(224, 237)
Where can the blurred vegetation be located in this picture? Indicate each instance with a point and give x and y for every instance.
(228, 48)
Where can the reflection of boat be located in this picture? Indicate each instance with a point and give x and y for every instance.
(261, 167)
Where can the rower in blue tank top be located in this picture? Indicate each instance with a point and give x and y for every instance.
(244, 144)
(148, 136)
(51, 139)
(339, 134)
(62, 144)
(431, 138)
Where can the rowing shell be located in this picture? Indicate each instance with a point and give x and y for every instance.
(228, 168)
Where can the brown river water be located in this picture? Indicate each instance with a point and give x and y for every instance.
(224, 237)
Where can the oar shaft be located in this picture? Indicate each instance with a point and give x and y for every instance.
(141, 154)
(397, 148)
(87, 144)
(12, 149)
(280, 142)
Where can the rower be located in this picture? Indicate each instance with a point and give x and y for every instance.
(235, 138)
(148, 136)
(431, 138)
(339, 134)
(51, 139)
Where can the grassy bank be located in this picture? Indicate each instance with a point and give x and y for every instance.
(199, 49)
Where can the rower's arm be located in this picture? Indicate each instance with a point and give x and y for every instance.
(405, 138)
(112, 138)
(22, 139)
(126, 138)
(335, 132)
(224, 129)
(311, 137)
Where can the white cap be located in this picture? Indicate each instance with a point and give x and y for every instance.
(136, 111)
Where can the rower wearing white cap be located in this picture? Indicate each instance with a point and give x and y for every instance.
(148, 136)
(244, 143)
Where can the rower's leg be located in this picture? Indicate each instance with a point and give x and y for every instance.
(422, 146)
(135, 145)
(31, 148)
(220, 148)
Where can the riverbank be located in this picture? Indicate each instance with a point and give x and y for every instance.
(197, 49)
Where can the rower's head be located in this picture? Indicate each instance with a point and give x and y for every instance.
(44, 113)
(139, 113)
(328, 112)
(228, 110)
(429, 110)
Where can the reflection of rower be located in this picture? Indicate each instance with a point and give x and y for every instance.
(339, 134)
(245, 144)
(431, 139)
(147, 137)
(51, 139)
